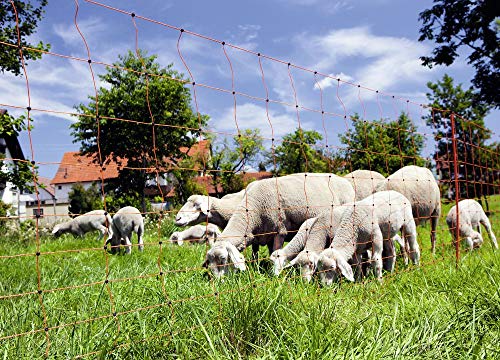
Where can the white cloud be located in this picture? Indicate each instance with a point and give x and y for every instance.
(386, 61)
(331, 81)
(252, 116)
(90, 28)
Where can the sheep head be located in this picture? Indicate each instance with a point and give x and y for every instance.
(57, 231)
(174, 238)
(194, 211)
(279, 260)
(222, 257)
(307, 262)
(330, 262)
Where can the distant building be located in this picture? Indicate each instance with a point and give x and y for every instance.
(11, 152)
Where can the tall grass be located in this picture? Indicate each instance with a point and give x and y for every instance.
(437, 310)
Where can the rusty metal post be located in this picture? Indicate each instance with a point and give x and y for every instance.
(457, 188)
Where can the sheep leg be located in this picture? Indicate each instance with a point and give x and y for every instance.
(377, 248)
(255, 252)
(128, 244)
(388, 255)
(358, 268)
(140, 232)
(402, 248)
(487, 225)
(434, 224)
(410, 234)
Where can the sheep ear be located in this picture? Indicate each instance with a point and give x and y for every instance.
(56, 228)
(236, 257)
(345, 269)
(202, 203)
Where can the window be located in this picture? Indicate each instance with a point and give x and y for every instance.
(38, 212)
(59, 187)
(43, 202)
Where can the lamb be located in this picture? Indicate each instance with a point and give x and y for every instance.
(316, 236)
(471, 215)
(419, 186)
(198, 233)
(369, 224)
(201, 208)
(90, 221)
(364, 182)
(272, 208)
(125, 221)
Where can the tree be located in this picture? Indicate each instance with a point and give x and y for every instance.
(472, 24)
(470, 134)
(228, 160)
(83, 200)
(382, 146)
(299, 152)
(20, 173)
(28, 15)
(156, 104)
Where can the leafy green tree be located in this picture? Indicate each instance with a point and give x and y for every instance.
(382, 146)
(157, 103)
(470, 24)
(28, 15)
(228, 160)
(20, 173)
(299, 152)
(470, 134)
(83, 200)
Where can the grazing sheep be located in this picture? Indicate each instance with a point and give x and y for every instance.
(419, 186)
(369, 224)
(93, 220)
(471, 215)
(281, 257)
(125, 221)
(198, 233)
(364, 182)
(270, 209)
(201, 208)
(320, 233)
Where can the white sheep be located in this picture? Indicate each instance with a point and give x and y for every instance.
(270, 209)
(198, 233)
(364, 182)
(369, 224)
(201, 208)
(90, 221)
(315, 236)
(421, 188)
(471, 215)
(127, 220)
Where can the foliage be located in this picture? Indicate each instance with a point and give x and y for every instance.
(4, 212)
(184, 183)
(299, 152)
(382, 146)
(159, 124)
(470, 133)
(19, 173)
(227, 160)
(28, 15)
(83, 200)
(453, 24)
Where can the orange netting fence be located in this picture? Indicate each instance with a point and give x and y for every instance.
(464, 166)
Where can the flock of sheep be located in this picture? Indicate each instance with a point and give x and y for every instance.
(333, 224)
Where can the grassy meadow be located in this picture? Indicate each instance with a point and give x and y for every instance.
(161, 304)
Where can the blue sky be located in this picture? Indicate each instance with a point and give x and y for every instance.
(369, 43)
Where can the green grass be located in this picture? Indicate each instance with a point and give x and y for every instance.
(438, 310)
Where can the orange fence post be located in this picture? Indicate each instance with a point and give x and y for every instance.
(457, 188)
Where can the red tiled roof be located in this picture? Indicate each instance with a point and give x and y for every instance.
(47, 186)
(75, 168)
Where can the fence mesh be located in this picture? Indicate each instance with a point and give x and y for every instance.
(82, 287)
